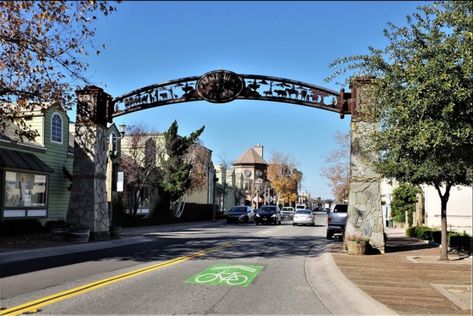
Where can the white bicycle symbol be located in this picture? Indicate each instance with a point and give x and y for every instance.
(229, 277)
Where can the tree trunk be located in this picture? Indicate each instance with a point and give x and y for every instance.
(443, 216)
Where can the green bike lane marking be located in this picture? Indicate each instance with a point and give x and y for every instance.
(227, 274)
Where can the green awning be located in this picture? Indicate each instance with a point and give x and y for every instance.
(20, 160)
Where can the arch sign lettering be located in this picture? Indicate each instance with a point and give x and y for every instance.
(221, 86)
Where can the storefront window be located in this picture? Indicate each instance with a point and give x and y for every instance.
(25, 190)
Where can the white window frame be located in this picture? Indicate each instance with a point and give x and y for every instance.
(62, 129)
(40, 211)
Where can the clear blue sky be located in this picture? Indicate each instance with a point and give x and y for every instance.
(152, 42)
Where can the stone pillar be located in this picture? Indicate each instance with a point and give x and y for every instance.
(88, 204)
(364, 202)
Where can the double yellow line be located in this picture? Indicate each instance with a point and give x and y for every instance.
(34, 306)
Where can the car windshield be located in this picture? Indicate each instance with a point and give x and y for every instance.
(268, 209)
(303, 212)
(340, 208)
(238, 210)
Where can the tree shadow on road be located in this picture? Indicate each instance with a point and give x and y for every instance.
(169, 245)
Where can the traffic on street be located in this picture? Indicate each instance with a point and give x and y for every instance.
(179, 269)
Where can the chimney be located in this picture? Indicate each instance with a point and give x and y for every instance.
(259, 149)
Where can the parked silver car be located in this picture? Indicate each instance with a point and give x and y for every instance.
(287, 212)
(303, 217)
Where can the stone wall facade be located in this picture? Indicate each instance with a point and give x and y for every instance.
(364, 202)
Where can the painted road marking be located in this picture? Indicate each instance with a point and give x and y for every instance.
(227, 274)
(54, 298)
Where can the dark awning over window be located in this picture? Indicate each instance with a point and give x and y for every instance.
(22, 161)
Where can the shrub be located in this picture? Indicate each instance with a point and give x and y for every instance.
(54, 224)
(20, 226)
(411, 231)
(461, 242)
(421, 232)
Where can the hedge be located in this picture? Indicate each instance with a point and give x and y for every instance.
(192, 212)
(459, 241)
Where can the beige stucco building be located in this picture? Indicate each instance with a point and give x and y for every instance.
(459, 207)
(155, 143)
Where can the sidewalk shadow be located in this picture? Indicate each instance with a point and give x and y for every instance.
(398, 244)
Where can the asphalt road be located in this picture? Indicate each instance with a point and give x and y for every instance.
(281, 287)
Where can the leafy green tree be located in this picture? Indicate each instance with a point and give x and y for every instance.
(42, 44)
(423, 82)
(174, 178)
(404, 202)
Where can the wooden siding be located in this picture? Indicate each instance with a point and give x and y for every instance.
(37, 123)
(56, 157)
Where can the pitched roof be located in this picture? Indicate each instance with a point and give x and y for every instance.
(10, 134)
(250, 157)
(22, 161)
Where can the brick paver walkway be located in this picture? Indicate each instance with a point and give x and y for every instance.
(405, 280)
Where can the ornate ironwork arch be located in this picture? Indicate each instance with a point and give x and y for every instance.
(222, 86)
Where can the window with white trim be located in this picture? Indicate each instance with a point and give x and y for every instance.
(56, 128)
(24, 189)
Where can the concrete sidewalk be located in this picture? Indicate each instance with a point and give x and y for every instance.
(408, 279)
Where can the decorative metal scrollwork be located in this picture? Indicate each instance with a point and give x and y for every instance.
(223, 86)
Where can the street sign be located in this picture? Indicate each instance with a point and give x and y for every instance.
(227, 274)
(120, 179)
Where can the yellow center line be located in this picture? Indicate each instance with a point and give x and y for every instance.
(51, 299)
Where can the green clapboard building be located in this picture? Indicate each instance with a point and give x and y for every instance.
(36, 175)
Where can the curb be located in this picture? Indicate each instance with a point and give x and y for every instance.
(336, 292)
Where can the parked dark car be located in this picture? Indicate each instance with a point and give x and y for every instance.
(240, 214)
(268, 214)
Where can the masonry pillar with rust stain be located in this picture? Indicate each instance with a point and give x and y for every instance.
(88, 204)
(364, 202)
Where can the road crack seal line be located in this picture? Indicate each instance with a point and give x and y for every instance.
(54, 298)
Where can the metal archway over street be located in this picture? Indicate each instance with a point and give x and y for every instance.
(222, 86)
(95, 108)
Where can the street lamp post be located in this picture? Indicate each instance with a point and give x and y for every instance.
(223, 170)
(214, 212)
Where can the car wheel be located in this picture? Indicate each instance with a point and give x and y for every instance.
(329, 234)
(293, 224)
(256, 223)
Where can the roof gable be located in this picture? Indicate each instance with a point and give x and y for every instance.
(250, 157)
